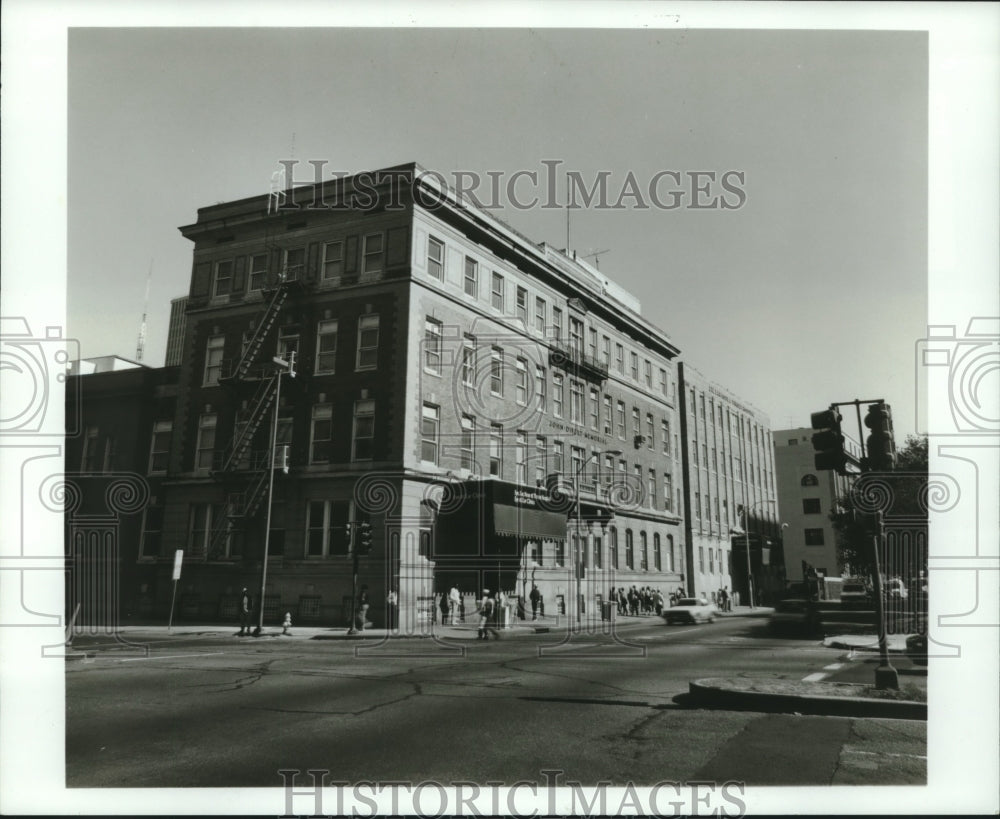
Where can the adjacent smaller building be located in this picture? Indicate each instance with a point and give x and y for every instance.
(807, 496)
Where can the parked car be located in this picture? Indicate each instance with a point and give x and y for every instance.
(690, 610)
(894, 589)
(796, 614)
(916, 648)
(854, 595)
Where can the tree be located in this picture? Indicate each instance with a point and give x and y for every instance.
(900, 495)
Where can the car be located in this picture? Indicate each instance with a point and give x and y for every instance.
(795, 614)
(854, 595)
(916, 648)
(894, 589)
(690, 610)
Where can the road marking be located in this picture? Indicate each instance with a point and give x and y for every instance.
(819, 675)
(881, 753)
(170, 656)
(833, 667)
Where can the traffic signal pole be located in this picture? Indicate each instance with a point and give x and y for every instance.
(885, 674)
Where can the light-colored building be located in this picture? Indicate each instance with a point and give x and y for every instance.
(731, 508)
(807, 497)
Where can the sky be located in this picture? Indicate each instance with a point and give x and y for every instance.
(814, 291)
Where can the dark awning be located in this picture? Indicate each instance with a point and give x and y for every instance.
(528, 523)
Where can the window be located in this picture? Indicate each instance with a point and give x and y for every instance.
(326, 528)
(540, 314)
(469, 360)
(468, 443)
(322, 434)
(635, 421)
(429, 433)
(560, 553)
(620, 358)
(540, 390)
(663, 382)
(295, 262)
(650, 431)
(595, 409)
(496, 294)
(535, 552)
(697, 505)
(575, 402)
(576, 335)
(326, 346)
(557, 323)
(521, 385)
(223, 278)
(598, 557)
(629, 550)
(496, 371)
(621, 420)
(613, 548)
(793, 442)
(701, 559)
(643, 552)
(521, 456)
(541, 452)
(593, 344)
(205, 446)
(90, 459)
(608, 414)
(557, 395)
(471, 277)
(651, 488)
(810, 480)
(521, 304)
(364, 430)
(811, 506)
(159, 451)
(633, 359)
(606, 351)
(814, 537)
(367, 342)
(200, 527)
(711, 561)
(214, 350)
(372, 253)
(668, 491)
(288, 342)
(670, 554)
(435, 258)
(333, 260)
(152, 530)
(433, 342)
(576, 461)
(317, 528)
(496, 450)
(258, 271)
(657, 558)
(665, 434)
(557, 456)
(648, 373)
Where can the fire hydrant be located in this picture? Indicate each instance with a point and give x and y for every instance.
(287, 624)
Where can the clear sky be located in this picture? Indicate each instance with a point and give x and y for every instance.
(813, 291)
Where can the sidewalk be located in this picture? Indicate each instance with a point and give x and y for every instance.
(468, 630)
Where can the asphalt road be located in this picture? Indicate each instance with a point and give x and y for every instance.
(225, 712)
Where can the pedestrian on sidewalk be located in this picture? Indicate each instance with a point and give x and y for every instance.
(454, 601)
(535, 596)
(443, 605)
(363, 604)
(658, 602)
(724, 599)
(392, 606)
(246, 609)
(485, 614)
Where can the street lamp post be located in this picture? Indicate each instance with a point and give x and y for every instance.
(577, 551)
(283, 367)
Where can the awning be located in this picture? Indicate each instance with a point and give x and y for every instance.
(518, 521)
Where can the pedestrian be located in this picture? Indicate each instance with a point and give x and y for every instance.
(443, 604)
(454, 600)
(363, 603)
(622, 601)
(724, 599)
(658, 602)
(392, 606)
(246, 609)
(535, 596)
(485, 614)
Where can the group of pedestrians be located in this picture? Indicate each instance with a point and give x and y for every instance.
(723, 600)
(636, 601)
(452, 607)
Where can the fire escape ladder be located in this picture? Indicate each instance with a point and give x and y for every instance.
(258, 410)
(267, 320)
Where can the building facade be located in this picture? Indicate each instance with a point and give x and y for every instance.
(731, 506)
(175, 331)
(496, 413)
(807, 497)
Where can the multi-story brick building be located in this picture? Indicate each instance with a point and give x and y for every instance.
(445, 368)
(730, 496)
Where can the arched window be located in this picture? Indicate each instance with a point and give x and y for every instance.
(657, 559)
(810, 480)
(629, 550)
(670, 553)
(613, 548)
(643, 552)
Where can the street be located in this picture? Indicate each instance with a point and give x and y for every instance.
(214, 710)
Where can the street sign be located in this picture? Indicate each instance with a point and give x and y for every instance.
(178, 558)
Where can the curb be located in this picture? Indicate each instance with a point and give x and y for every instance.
(712, 692)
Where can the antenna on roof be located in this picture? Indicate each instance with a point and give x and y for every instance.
(596, 256)
(140, 345)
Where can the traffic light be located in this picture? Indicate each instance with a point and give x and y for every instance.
(828, 441)
(881, 444)
(364, 537)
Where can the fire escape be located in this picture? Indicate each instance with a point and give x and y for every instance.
(243, 469)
